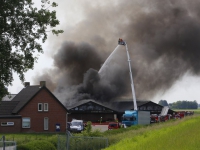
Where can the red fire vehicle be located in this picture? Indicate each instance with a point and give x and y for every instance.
(179, 115)
(154, 118)
(113, 125)
(165, 117)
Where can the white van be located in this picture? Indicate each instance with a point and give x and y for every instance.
(76, 125)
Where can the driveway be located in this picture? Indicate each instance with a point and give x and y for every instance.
(102, 128)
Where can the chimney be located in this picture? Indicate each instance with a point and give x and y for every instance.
(26, 84)
(42, 83)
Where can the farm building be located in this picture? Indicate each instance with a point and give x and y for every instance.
(90, 110)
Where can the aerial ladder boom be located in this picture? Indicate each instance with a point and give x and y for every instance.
(121, 42)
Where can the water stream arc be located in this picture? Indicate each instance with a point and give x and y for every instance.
(108, 60)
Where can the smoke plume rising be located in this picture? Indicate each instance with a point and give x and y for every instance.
(162, 37)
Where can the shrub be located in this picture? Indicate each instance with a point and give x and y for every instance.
(54, 140)
(96, 133)
(89, 127)
(22, 147)
(37, 145)
(88, 131)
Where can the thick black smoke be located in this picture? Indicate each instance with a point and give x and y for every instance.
(162, 37)
(74, 60)
(77, 77)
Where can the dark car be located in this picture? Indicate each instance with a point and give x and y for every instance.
(113, 125)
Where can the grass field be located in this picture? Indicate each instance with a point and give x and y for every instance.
(22, 138)
(181, 134)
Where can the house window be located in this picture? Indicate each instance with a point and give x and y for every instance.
(7, 123)
(46, 123)
(46, 107)
(26, 122)
(40, 107)
(3, 123)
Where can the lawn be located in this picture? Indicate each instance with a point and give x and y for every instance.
(178, 134)
(23, 139)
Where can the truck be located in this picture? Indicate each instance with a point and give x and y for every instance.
(135, 117)
(76, 125)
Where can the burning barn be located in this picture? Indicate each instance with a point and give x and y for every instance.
(91, 110)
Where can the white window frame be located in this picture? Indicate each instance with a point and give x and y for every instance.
(46, 107)
(28, 119)
(46, 123)
(7, 123)
(3, 123)
(40, 104)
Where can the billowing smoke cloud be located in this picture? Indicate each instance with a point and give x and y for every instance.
(76, 75)
(162, 37)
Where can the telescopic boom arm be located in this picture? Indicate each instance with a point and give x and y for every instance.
(121, 42)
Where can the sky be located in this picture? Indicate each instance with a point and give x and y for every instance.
(162, 39)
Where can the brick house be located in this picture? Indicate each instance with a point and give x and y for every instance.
(33, 109)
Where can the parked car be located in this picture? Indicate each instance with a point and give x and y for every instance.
(113, 125)
(76, 125)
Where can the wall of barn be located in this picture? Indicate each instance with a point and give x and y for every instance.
(93, 117)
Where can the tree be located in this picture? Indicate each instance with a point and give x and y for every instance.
(184, 105)
(22, 25)
(163, 103)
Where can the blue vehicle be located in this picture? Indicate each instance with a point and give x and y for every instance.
(135, 117)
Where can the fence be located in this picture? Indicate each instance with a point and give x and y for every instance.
(70, 142)
(7, 145)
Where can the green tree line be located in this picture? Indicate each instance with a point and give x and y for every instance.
(184, 105)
